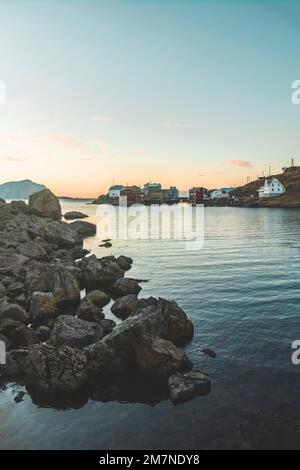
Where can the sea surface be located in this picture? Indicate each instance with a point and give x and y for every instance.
(242, 291)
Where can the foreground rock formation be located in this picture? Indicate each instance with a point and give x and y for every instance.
(57, 339)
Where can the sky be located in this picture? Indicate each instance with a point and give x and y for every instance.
(187, 93)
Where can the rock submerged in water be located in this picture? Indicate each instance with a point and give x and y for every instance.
(74, 215)
(184, 387)
(158, 358)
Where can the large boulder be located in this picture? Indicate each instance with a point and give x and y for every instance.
(32, 250)
(88, 311)
(125, 262)
(15, 362)
(158, 358)
(125, 286)
(52, 370)
(98, 298)
(11, 264)
(184, 387)
(74, 215)
(124, 306)
(74, 332)
(23, 337)
(83, 229)
(164, 318)
(99, 274)
(55, 279)
(42, 308)
(103, 360)
(45, 204)
(10, 311)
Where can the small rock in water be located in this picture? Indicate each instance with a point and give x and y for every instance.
(106, 245)
(19, 397)
(106, 240)
(210, 353)
(184, 387)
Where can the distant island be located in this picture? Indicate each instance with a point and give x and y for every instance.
(19, 189)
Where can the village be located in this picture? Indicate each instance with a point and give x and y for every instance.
(154, 193)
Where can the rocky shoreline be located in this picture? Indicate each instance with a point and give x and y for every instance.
(52, 294)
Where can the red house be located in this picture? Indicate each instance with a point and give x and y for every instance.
(198, 195)
(133, 194)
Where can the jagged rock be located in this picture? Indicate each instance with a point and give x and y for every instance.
(15, 362)
(103, 360)
(98, 298)
(125, 286)
(56, 233)
(21, 206)
(73, 215)
(184, 387)
(7, 326)
(83, 229)
(55, 279)
(32, 250)
(2, 201)
(42, 308)
(158, 358)
(74, 332)
(45, 204)
(23, 337)
(99, 274)
(12, 263)
(125, 262)
(14, 288)
(124, 306)
(107, 325)
(2, 291)
(52, 370)
(164, 318)
(9, 311)
(44, 333)
(106, 245)
(89, 312)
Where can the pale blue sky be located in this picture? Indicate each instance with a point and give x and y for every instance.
(184, 92)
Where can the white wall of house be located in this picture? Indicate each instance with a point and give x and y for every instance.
(271, 188)
(221, 192)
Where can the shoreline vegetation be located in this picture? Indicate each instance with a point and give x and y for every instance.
(58, 341)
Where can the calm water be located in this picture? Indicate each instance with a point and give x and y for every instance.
(242, 291)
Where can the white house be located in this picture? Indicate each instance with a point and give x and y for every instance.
(114, 191)
(272, 187)
(221, 192)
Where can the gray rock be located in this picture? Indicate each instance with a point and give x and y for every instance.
(83, 229)
(42, 308)
(52, 370)
(74, 332)
(2, 201)
(55, 279)
(23, 337)
(21, 206)
(45, 204)
(44, 333)
(125, 286)
(32, 250)
(125, 262)
(103, 360)
(12, 263)
(15, 363)
(124, 306)
(184, 387)
(98, 298)
(99, 274)
(75, 215)
(9, 311)
(7, 326)
(89, 312)
(158, 358)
